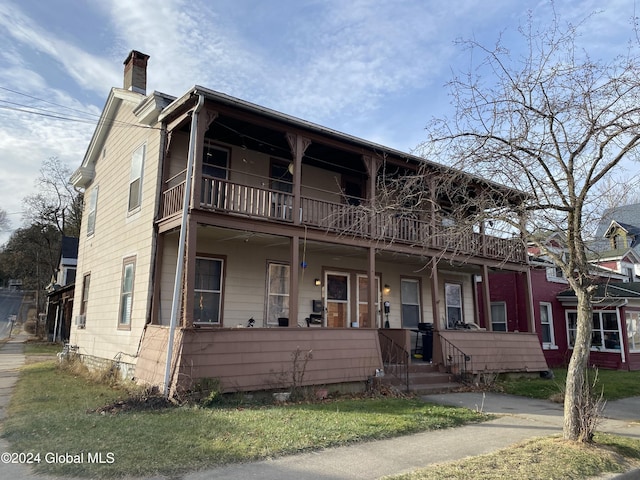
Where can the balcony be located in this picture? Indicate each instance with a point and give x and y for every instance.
(224, 196)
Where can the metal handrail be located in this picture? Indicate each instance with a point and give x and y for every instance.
(455, 360)
(395, 359)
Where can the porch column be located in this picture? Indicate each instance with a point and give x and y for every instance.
(529, 299)
(206, 118)
(154, 316)
(371, 293)
(435, 294)
(189, 272)
(435, 307)
(298, 145)
(293, 280)
(372, 165)
(486, 298)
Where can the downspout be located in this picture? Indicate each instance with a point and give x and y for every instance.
(624, 344)
(177, 285)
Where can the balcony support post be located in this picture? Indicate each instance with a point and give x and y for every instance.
(486, 298)
(371, 290)
(294, 280)
(298, 145)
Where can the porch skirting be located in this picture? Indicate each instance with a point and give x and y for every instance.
(253, 359)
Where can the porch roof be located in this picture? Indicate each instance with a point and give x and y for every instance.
(185, 101)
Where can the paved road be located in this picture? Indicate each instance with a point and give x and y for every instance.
(10, 302)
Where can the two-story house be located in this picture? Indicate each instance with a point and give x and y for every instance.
(220, 237)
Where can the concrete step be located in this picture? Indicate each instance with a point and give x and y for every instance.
(424, 378)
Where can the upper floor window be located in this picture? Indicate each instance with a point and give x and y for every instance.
(91, 211)
(135, 178)
(215, 161)
(126, 295)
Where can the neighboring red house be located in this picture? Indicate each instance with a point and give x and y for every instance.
(615, 342)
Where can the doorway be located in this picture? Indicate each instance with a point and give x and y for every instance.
(337, 299)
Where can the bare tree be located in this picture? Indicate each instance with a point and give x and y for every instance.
(554, 124)
(4, 221)
(56, 203)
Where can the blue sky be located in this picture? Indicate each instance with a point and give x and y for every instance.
(370, 68)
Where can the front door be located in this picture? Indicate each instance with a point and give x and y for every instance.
(364, 319)
(337, 299)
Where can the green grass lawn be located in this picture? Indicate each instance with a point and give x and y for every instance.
(540, 458)
(614, 384)
(54, 411)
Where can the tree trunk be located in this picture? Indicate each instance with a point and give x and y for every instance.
(576, 372)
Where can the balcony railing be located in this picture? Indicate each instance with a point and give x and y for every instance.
(222, 195)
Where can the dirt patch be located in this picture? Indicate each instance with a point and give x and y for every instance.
(134, 405)
(29, 359)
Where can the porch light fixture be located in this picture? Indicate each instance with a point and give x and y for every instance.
(317, 282)
(387, 289)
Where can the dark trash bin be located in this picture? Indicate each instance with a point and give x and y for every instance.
(283, 322)
(426, 329)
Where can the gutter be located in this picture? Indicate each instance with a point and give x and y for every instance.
(177, 285)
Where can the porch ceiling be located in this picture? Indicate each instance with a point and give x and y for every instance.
(336, 251)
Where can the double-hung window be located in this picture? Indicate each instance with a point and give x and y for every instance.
(633, 331)
(91, 211)
(277, 292)
(207, 307)
(499, 317)
(453, 298)
(410, 298)
(135, 178)
(126, 292)
(546, 321)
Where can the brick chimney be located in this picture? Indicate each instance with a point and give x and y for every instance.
(135, 72)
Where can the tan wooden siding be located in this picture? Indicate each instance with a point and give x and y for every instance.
(262, 359)
(499, 351)
(152, 360)
(118, 234)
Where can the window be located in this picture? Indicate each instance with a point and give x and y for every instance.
(453, 297)
(277, 292)
(633, 331)
(499, 317)
(85, 294)
(215, 163)
(91, 211)
(135, 178)
(605, 334)
(410, 298)
(282, 184)
(207, 306)
(126, 294)
(546, 320)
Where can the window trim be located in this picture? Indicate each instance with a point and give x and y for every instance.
(506, 323)
(268, 293)
(418, 283)
(92, 209)
(635, 347)
(126, 262)
(602, 347)
(138, 153)
(549, 308)
(223, 262)
(446, 303)
(84, 299)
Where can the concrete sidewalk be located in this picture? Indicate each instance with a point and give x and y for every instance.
(520, 419)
